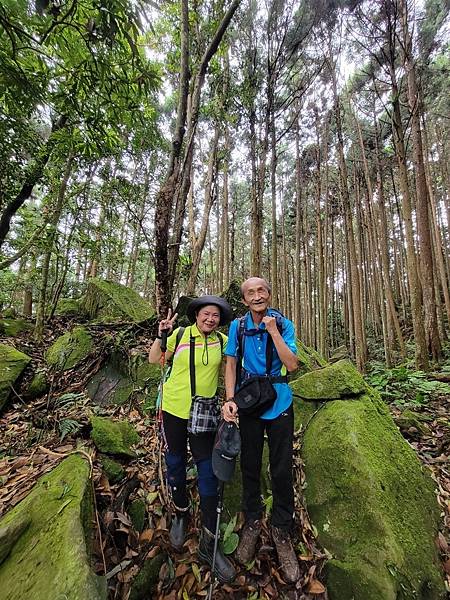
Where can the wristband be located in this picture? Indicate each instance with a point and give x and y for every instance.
(157, 337)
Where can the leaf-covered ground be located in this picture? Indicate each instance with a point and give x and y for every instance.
(35, 435)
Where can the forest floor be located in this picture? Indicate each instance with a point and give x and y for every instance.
(32, 444)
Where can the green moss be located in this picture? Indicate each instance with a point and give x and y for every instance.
(69, 307)
(12, 365)
(303, 411)
(38, 385)
(108, 301)
(9, 313)
(137, 512)
(69, 349)
(340, 380)
(145, 583)
(49, 558)
(114, 437)
(146, 378)
(112, 469)
(372, 504)
(408, 419)
(12, 327)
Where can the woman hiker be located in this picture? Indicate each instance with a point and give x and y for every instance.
(179, 395)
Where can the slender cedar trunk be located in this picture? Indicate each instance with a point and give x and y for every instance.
(33, 174)
(225, 208)
(210, 196)
(437, 236)
(298, 232)
(382, 231)
(60, 284)
(135, 248)
(53, 221)
(273, 183)
(184, 175)
(352, 261)
(256, 210)
(427, 267)
(415, 291)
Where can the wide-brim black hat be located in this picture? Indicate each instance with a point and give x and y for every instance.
(226, 312)
(227, 446)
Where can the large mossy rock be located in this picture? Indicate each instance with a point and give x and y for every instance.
(120, 377)
(112, 383)
(12, 327)
(339, 380)
(106, 301)
(42, 539)
(69, 349)
(12, 365)
(368, 495)
(114, 437)
(69, 307)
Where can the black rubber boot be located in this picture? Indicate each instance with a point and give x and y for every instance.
(178, 529)
(223, 568)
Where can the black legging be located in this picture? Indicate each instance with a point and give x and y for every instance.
(201, 445)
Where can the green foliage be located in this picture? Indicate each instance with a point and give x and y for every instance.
(230, 539)
(68, 427)
(403, 386)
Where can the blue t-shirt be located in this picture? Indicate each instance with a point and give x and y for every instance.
(254, 360)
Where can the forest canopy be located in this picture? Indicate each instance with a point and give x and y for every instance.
(176, 147)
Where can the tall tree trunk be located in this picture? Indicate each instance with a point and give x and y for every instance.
(415, 292)
(53, 221)
(210, 195)
(427, 267)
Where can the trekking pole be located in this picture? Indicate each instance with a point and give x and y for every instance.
(216, 537)
(162, 362)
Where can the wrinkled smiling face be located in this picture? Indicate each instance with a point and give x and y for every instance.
(256, 295)
(208, 318)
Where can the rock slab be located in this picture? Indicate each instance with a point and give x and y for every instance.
(369, 497)
(69, 349)
(46, 555)
(12, 365)
(107, 301)
(114, 437)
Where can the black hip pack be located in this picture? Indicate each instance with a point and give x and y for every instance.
(256, 394)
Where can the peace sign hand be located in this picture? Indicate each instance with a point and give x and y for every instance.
(166, 325)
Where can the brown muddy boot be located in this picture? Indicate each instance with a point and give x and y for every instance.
(286, 555)
(250, 534)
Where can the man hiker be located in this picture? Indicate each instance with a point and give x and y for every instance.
(261, 349)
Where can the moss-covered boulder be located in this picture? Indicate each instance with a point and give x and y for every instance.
(12, 327)
(146, 378)
(120, 377)
(107, 301)
(373, 505)
(112, 469)
(114, 437)
(409, 420)
(37, 386)
(69, 349)
(147, 579)
(12, 365)
(69, 307)
(46, 555)
(112, 384)
(137, 512)
(340, 380)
